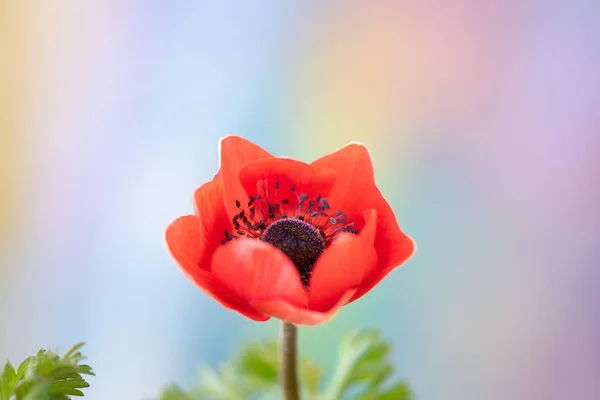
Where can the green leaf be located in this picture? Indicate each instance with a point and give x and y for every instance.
(23, 368)
(363, 372)
(73, 353)
(399, 391)
(8, 380)
(364, 368)
(38, 391)
(258, 364)
(48, 376)
(173, 392)
(221, 385)
(310, 377)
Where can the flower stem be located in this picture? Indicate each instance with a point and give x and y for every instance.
(287, 362)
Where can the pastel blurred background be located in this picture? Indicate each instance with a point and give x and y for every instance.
(483, 119)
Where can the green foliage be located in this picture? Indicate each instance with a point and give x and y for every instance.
(363, 372)
(363, 365)
(46, 376)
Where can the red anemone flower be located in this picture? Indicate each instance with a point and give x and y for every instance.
(278, 237)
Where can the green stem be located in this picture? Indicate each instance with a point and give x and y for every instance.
(287, 362)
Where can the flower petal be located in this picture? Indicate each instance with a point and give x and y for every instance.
(277, 175)
(355, 179)
(213, 218)
(236, 153)
(257, 271)
(301, 316)
(393, 247)
(344, 265)
(183, 237)
(354, 191)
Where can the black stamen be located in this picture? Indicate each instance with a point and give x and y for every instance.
(238, 204)
(292, 188)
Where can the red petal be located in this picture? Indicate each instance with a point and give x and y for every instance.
(355, 179)
(208, 202)
(236, 153)
(183, 239)
(344, 265)
(305, 178)
(393, 247)
(355, 191)
(256, 271)
(301, 316)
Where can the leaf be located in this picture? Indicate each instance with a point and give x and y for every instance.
(310, 377)
(173, 392)
(73, 353)
(399, 391)
(8, 381)
(257, 365)
(69, 386)
(363, 369)
(219, 385)
(39, 391)
(363, 372)
(49, 376)
(23, 368)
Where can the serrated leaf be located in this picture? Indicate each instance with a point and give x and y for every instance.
(363, 368)
(219, 386)
(399, 391)
(173, 392)
(257, 364)
(311, 376)
(363, 372)
(38, 391)
(73, 352)
(67, 385)
(85, 370)
(49, 376)
(8, 380)
(23, 368)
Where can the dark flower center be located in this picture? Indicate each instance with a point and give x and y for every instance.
(302, 231)
(300, 241)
